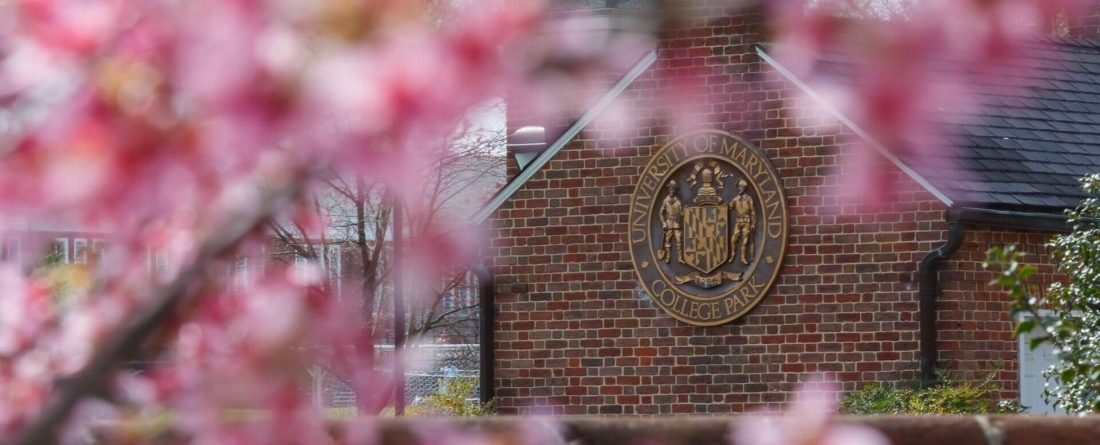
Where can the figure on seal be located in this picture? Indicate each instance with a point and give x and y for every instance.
(745, 224)
(672, 212)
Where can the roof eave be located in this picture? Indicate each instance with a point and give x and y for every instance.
(854, 127)
(1009, 219)
(516, 183)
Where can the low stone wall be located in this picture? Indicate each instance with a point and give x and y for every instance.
(901, 430)
(508, 430)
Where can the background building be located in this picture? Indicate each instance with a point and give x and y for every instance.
(864, 294)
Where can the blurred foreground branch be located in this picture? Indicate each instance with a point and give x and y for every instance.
(126, 343)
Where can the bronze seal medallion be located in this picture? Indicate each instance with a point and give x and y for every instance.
(708, 227)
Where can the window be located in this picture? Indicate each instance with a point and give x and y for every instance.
(299, 260)
(59, 250)
(80, 251)
(331, 259)
(95, 255)
(240, 274)
(157, 262)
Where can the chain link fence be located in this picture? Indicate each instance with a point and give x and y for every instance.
(427, 367)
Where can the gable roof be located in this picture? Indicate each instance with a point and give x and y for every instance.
(1023, 149)
(1027, 147)
(1030, 137)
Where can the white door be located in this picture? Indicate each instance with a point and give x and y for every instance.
(1032, 365)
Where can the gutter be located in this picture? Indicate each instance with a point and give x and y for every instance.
(1045, 222)
(928, 274)
(928, 289)
(486, 341)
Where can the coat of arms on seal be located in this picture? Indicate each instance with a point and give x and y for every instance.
(708, 227)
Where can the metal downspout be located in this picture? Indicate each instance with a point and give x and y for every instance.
(486, 299)
(928, 285)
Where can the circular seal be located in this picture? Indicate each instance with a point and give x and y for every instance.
(708, 227)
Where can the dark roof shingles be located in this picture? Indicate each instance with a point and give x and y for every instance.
(1021, 147)
(1026, 148)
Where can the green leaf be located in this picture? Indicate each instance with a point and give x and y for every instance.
(1035, 342)
(1024, 327)
(1067, 375)
(1026, 271)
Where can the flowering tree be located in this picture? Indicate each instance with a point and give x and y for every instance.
(186, 128)
(189, 127)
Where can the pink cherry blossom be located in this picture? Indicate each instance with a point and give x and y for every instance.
(178, 130)
(900, 85)
(807, 421)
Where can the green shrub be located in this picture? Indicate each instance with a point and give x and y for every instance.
(944, 397)
(453, 399)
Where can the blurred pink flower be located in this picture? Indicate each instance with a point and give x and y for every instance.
(167, 123)
(908, 72)
(807, 421)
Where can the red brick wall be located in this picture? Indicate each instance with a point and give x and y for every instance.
(975, 326)
(1086, 23)
(577, 334)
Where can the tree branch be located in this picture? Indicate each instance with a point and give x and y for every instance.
(126, 342)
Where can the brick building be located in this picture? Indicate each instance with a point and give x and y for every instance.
(865, 295)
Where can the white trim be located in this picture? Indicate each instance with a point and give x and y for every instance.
(569, 134)
(855, 128)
